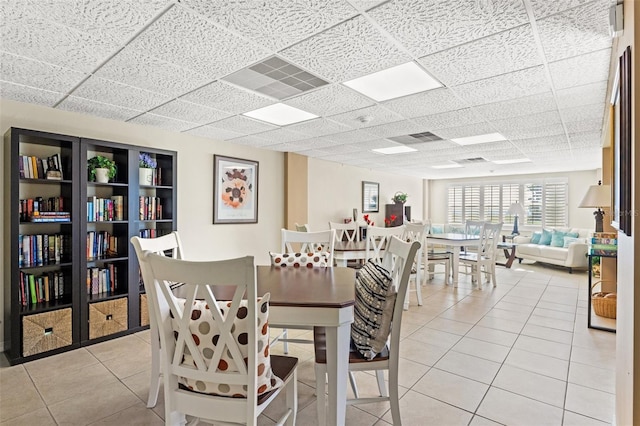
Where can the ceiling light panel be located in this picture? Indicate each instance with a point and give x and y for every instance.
(187, 39)
(447, 166)
(98, 109)
(400, 149)
(513, 161)
(135, 68)
(18, 92)
(165, 123)
(426, 103)
(275, 77)
(427, 27)
(329, 100)
(189, 111)
(472, 140)
(227, 97)
(276, 23)
(36, 74)
(504, 87)
(337, 55)
(560, 39)
(111, 92)
(497, 54)
(280, 114)
(401, 80)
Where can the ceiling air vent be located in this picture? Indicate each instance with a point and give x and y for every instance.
(416, 138)
(275, 77)
(474, 160)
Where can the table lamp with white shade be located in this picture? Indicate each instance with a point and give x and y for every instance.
(515, 209)
(597, 196)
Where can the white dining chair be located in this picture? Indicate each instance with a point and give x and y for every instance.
(345, 231)
(483, 261)
(398, 260)
(378, 238)
(165, 245)
(416, 232)
(216, 364)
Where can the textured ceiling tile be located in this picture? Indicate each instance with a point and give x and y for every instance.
(340, 149)
(212, 132)
(439, 147)
(528, 121)
(20, 70)
(398, 128)
(542, 8)
(501, 53)
(281, 135)
(378, 114)
(329, 100)
(138, 69)
(580, 70)
(188, 111)
(276, 23)
(515, 107)
(348, 50)
(464, 131)
(448, 119)
(583, 95)
(426, 103)
(534, 132)
(101, 90)
(584, 112)
(18, 92)
(365, 4)
(549, 143)
(243, 125)
(313, 143)
(312, 153)
(585, 140)
(430, 26)
(166, 123)
(188, 40)
(504, 87)
(252, 140)
(86, 106)
(577, 31)
(589, 125)
(118, 20)
(318, 127)
(50, 42)
(352, 136)
(227, 97)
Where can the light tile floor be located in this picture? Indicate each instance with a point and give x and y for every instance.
(517, 354)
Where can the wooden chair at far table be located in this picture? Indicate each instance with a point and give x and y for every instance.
(390, 286)
(295, 252)
(483, 261)
(216, 365)
(167, 244)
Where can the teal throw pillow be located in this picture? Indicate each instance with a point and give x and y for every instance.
(535, 237)
(545, 239)
(568, 240)
(437, 229)
(557, 238)
(572, 234)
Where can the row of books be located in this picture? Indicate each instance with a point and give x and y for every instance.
(50, 217)
(102, 281)
(150, 208)
(43, 249)
(603, 244)
(29, 207)
(156, 177)
(152, 233)
(101, 245)
(36, 168)
(105, 209)
(43, 288)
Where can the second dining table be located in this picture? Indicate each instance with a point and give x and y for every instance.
(454, 242)
(316, 297)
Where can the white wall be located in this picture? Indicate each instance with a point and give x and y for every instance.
(200, 237)
(579, 182)
(335, 190)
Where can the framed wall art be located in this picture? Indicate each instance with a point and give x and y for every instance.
(370, 197)
(235, 190)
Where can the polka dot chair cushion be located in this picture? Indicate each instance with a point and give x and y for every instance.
(373, 310)
(300, 260)
(205, 332)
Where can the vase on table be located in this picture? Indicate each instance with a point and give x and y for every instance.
(146, 176)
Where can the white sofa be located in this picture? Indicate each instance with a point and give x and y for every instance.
(572, 256)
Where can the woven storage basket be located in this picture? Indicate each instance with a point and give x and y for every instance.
(107, 317)
(46, 331)
(602, 306)
(144, 310)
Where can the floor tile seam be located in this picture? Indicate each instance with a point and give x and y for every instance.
(589, 387)
(585, 415)
(448, 403)
(560, 407)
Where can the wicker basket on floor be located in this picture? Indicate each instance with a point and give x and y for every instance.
(604, 306)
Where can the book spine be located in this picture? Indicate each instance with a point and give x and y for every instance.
(602, 252)
(604, 240)
(32, 289)
(613, 247)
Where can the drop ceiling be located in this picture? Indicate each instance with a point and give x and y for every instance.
(533, 70)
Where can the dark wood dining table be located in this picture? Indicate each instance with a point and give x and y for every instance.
(316, 297)
(344, 251)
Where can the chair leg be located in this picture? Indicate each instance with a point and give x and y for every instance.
(394, 397)
(382, 387)
(292, 399)
(493, 273)
(285, 336)
(154, 385)
(321, 380)
(354, 384)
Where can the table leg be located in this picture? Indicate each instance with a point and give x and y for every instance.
(510, 257)
(455, 263)
(337, 372)
(340, 261)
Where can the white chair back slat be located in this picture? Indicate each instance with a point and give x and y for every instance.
(309, 242)
(377, 240)
(345, 231)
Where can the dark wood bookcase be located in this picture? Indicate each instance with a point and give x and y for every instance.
(83, 313)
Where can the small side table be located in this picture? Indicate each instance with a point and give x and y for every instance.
(589, 288)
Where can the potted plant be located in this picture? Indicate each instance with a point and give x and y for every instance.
(147, 164)
(400, 197)
(101, 169)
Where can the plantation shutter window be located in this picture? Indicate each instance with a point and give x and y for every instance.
(455, 205)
